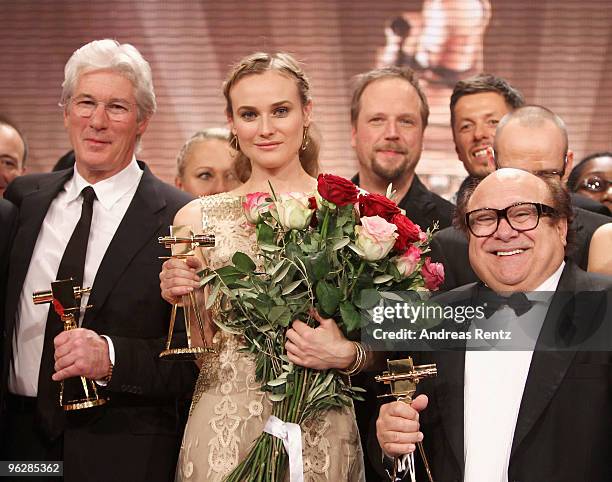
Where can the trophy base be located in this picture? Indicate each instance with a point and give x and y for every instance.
(185, 354)
(81, 404)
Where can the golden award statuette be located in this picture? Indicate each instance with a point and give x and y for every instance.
(403, 377)
(65, 296)
(183, 242)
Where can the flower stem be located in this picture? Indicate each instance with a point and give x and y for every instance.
(359, 271)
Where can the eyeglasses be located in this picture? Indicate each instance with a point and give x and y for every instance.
(117, 110)
(521, 217)
(596, 184)
(542, 173)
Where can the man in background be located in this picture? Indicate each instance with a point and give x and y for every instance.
(13, 153)
(389, 114)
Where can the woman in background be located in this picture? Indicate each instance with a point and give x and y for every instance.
(592, 177)
(205, 164)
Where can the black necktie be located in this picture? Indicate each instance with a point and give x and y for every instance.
(493, 301)
(49, 413)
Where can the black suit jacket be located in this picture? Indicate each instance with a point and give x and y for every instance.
(135, 436)
(564, 422)
(8, 218)
(565, 417)
(449, 246)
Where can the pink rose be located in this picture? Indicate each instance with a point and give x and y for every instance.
(422, 235)
(293, 210)
(253, 205)
(433, 274)
(407, 262)
(375, 237)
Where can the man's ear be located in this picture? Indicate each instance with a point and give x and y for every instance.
(142, 126)
(562, 230)
(569, 165)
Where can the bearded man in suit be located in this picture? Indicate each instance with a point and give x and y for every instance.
(501, 415)
(108, 100)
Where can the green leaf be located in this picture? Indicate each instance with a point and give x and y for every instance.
(350, 316)
(213, 296)
(280, 315)
(271, 248)
(367, 299)
(204, 280)
(341, 243)
(328, 297)
(279, 277)
(383, 278)
(319, 265)
(265, 234)
(243, 263)
(390, 295)
(278, 382)
(278, 265)
(357, 250)
(290, 287)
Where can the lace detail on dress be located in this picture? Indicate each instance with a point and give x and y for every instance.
(316, 446)
(229, 410)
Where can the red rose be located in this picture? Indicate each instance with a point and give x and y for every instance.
(407, 230)
(377, 205)
(337, 190)
(433, 274)
(312, 202)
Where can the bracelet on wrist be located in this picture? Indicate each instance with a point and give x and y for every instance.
(360, 360)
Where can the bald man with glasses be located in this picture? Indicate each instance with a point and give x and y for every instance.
(538, 411)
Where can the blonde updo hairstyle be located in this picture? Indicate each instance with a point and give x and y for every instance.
(258, 63)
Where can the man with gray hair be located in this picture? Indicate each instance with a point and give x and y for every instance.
(97, 223)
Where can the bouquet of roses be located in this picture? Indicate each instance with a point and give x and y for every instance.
(336, 250)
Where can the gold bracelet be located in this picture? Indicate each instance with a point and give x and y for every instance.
(360, 360)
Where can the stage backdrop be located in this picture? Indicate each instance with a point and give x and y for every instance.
(558, 52)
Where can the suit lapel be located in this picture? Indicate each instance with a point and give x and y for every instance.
(139, 224)
(32, 212)
(548, 366)
(449, 393)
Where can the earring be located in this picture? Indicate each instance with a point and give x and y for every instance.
(234, 143)
(305, 139)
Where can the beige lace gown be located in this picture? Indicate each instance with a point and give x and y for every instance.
(229, 411)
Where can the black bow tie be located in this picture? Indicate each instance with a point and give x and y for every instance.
(492, 302)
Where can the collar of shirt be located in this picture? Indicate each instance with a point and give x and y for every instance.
(108, 191)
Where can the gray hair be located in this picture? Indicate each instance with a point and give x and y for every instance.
(219, 133)
(124, 59)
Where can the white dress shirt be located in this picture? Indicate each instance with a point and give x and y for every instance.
(493, 390)
(114, 196)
